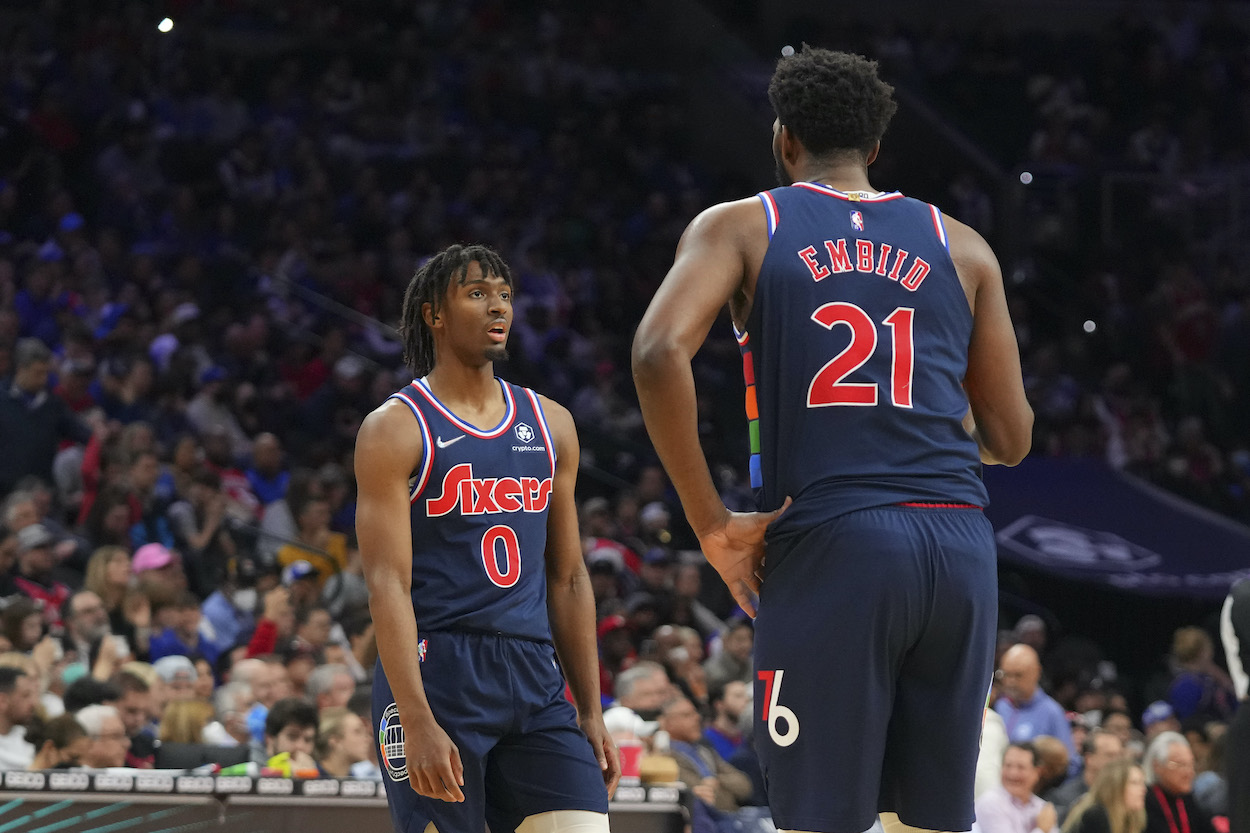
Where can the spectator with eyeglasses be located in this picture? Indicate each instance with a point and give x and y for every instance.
(86, 621)
(1170, 805)
(1026, 709)
(109, 741)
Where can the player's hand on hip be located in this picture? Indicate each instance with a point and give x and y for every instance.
(736, 550)
(605, 751)
(434, 766)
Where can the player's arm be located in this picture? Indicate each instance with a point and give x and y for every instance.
(388, 449)
(570, 599)
(709, 270)
(1002, 417)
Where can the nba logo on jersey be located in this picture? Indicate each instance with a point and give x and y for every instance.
(857, 221)
(421, 645)
(391, 742)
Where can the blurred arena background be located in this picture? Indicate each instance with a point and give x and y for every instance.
(209, 211)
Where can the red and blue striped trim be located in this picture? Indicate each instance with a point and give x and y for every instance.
(915, 505)
(427, 446)
(542, 426)
(770, 209)
(940, 226)
(472, 430)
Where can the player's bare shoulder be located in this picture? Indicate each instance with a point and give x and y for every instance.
(388, 437)
(974, 260)
(742, 223)
(733, 235)
(563, 429)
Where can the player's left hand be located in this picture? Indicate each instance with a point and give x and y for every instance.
(605, 751)
(736, 549)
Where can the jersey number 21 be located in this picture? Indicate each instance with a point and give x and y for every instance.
(827, 387)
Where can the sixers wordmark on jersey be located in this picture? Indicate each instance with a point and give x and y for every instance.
(479, 517)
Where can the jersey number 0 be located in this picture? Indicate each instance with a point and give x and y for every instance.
(511, 572)
(827, 387)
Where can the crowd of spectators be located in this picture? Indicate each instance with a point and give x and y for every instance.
(1080, 762)
(204, 239)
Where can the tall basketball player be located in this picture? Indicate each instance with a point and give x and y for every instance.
(868, 322)
(468, 531)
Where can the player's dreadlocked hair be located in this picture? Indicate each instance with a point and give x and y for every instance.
(429, 286)
(832, 101)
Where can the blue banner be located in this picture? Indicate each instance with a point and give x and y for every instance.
(1082, 520)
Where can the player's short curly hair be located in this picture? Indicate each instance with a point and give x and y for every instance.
(833, 102)
(429, 285)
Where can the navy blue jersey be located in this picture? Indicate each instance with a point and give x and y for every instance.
(854, 355)
(479, 517)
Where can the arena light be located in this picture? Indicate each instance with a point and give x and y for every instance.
(165, 26)
(1025, 177)
(1089, 326)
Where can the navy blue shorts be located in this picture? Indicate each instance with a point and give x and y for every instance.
(501, 701)
(874, 649)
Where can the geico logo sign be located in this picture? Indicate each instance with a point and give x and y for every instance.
(69, 781)
(275, 786)
(321, 787)
(1060, 544)
(24, 780)
(106, 781)
(195, 784)
(358, 789)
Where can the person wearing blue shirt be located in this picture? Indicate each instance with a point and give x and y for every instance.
(229, 611)
(266, 476)
(728, 701)
(185, 638)
(1027, 711)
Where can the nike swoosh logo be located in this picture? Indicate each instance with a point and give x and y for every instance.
(439, 441)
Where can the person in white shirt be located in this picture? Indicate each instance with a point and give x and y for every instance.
(18, 696)
(231, 703)
(994, 742)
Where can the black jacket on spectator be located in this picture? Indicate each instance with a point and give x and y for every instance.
(32, 428)
(1180, 815)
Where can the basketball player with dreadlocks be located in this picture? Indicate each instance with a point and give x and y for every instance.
(482, 588)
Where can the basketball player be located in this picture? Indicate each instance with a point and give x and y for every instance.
(868, 322)
(468, 531)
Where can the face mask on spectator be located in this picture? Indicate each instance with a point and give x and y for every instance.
(244, 598)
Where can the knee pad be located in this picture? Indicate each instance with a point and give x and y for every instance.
(565, 821)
